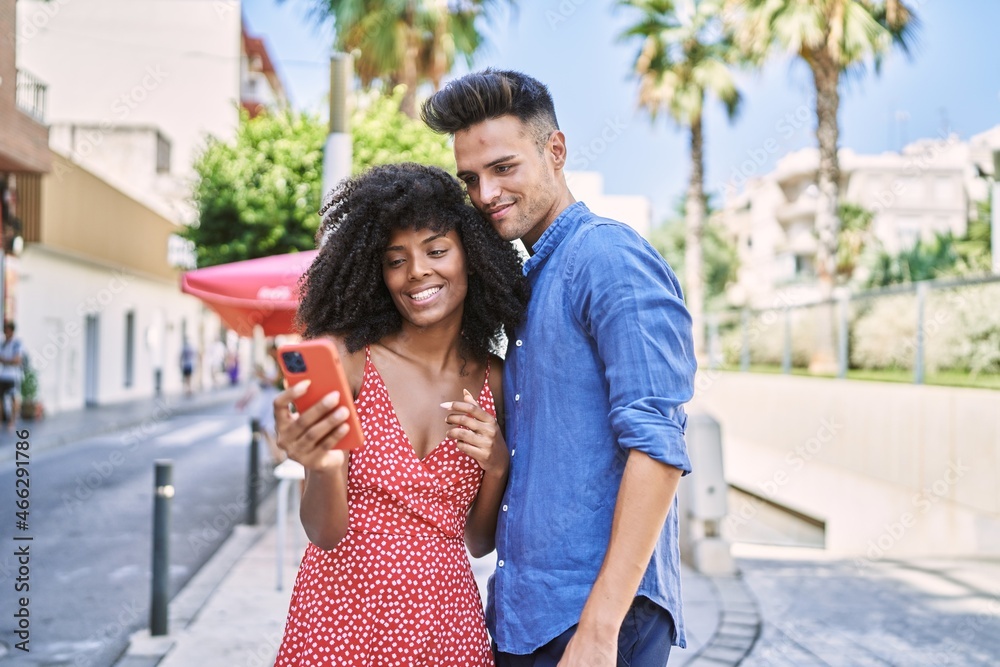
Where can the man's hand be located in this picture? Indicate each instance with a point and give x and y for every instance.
(586, 650)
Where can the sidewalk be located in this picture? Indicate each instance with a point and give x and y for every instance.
(232, 614)
(61, 428)
(789, 607)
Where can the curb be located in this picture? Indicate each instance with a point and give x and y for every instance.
(739, 625)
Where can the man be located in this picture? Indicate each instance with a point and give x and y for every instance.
(10, 374)
(588, 570)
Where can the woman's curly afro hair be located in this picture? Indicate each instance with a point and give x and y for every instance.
(343, 293)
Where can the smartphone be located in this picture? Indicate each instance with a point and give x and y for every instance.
(318, 360)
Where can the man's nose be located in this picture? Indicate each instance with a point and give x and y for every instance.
(489, 190)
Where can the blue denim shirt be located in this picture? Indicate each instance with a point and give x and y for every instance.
(602, 365)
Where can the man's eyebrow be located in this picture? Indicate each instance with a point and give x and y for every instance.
(505, 158)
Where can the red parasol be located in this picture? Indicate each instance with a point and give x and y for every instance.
(260, 291)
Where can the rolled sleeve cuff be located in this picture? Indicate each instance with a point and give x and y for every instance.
(656, 431)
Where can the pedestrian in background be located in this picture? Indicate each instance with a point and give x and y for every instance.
(188, 357)
(415, 292)
(11, 359)
(588, 566)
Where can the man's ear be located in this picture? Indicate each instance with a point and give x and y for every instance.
(556, 148)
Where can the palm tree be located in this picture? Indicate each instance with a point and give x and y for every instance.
(405, 41)
(684, 57)
(832, 37)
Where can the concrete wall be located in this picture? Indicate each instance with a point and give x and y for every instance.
(892, 469)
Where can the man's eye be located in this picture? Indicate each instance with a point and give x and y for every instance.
(503, 169)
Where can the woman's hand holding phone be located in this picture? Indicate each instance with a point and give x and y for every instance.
(311, 437)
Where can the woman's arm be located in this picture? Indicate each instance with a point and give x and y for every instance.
(482, 439)
(309, 438)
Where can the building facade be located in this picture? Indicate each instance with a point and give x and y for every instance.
(135, 90)
(929, 187)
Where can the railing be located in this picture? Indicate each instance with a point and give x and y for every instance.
(30, 95)
(941, 331)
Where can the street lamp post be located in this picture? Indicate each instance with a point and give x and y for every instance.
(995, 216)
(338, 152)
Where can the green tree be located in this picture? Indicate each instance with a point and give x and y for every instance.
(832, 37)
(406, 41)
(721, 259)
(683, 58)
(940, 256)
(258, 196)
(383, 135)
(855, 238)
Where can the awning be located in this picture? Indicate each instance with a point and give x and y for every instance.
(253, 292)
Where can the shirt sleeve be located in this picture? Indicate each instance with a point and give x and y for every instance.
(630, 303)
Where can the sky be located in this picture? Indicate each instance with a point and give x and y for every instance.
(950, 84)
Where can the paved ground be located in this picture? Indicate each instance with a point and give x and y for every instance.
(789, 606)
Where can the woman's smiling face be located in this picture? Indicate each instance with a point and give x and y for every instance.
(425, 273)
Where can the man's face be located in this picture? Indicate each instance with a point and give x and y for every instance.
(510, 180)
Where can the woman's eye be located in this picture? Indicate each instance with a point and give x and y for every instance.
(393, 263)
(436, 253)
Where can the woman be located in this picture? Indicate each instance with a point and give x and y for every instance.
(415, 290)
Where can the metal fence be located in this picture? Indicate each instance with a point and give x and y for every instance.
(948, 328)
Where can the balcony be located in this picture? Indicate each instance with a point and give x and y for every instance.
(30, 95)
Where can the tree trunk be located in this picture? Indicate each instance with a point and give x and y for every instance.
(826, 75)
(694, 217)
(408, 75)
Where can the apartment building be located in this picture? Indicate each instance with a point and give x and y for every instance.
(930, 186)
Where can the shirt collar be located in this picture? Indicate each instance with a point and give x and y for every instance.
(556, 232)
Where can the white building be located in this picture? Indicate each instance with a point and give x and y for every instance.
(633, 210)
(930, 186)
(135, 87)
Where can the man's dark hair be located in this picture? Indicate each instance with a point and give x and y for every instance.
(9, 324)
(489, 94)
(343, 292)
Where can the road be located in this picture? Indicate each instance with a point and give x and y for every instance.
(90, 524)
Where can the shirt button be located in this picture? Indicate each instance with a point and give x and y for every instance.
(504, 508)
(512, 452)
(517, 397)
(518, 342)
(499, 563)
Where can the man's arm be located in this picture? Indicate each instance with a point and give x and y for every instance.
(644, 499)
(631, 305)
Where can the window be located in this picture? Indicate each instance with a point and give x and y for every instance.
(130, 348)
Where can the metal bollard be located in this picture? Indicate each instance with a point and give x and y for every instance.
(163, 493)
(253, 475)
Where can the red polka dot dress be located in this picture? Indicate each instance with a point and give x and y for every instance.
(398, 589)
